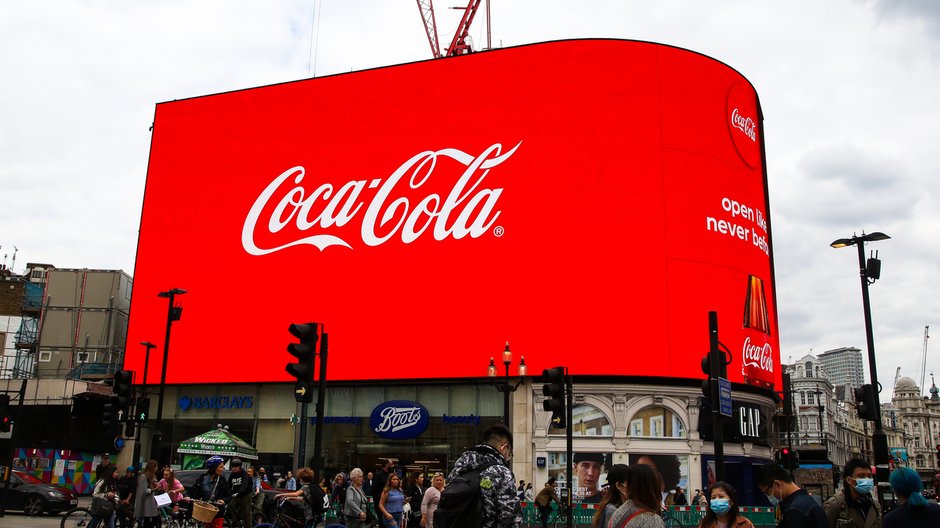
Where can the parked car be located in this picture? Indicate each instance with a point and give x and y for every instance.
(35, 497)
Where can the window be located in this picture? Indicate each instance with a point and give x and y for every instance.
(587, 420)
(657, 421)
(45, 356)
(656, 426)
(809, 369)
(677, 426)
(636, 427)
(83, 357)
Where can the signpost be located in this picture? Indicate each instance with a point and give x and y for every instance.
(724, 397)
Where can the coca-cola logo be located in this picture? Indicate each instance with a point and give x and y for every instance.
(399, 419)
(744, 124)
(760, 356)
(381, 207)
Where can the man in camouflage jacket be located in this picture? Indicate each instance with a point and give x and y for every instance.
(501, 507)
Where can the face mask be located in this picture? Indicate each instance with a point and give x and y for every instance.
(774, 501)
(864, 485)
(720, 506)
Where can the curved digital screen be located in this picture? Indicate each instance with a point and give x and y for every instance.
(588, 201)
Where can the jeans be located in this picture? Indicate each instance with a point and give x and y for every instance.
(96, 521)
(395, 522)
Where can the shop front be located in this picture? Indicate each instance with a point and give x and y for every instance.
(419, 425)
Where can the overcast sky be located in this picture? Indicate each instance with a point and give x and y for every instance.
(850, 91)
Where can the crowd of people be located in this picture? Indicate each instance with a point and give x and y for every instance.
(633, 496)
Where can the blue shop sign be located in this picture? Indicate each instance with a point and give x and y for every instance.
(399, 419)
(215, 402)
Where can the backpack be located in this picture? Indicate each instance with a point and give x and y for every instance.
(314, 497)
(460, 505)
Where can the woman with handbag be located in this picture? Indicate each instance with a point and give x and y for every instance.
(104, 501)
(145, 506)
(356, 507)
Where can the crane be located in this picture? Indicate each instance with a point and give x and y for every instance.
(458, 45)
(923, 366)
(896, 376)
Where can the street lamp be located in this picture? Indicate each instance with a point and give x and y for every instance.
(822, 410)
(173, 313)
(869, 273)
(505, 386)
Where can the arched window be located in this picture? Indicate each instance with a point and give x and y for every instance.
(657, 421)
(587, 420)
(809, 369)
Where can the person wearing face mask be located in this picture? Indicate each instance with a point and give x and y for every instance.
(722, 509)
(854, 506)
(796, 508)
(497, 483)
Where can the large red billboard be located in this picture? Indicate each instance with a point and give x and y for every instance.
(588, 201)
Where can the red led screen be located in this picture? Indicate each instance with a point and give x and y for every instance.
(588, 201)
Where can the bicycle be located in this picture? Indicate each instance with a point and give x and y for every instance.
(75, 518)
(282, 519)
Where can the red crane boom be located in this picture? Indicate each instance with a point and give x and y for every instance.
(458, 46)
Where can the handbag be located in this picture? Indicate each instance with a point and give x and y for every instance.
(101, 507)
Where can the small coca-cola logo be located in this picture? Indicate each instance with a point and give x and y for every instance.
(468, 209)
(760, 356)
(744, 124)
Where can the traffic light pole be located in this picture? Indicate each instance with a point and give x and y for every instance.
(716, 362)
(569, 444)
(879, 438)
(321, 397)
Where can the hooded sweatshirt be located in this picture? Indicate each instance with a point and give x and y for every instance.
(497, 486)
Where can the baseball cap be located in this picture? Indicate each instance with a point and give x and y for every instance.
(236, 462)
(589, 457)
(617, 473)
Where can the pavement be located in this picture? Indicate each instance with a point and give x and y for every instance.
(15, 519)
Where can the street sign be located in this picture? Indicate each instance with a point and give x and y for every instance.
(302, 394)
(724, 397)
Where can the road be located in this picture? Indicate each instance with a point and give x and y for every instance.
(14, 519)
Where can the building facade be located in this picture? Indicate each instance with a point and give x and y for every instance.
(827, 431)
(843, 366)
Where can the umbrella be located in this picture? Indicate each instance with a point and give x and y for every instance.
(218, 442)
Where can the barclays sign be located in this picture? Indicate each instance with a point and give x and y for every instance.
(399, 419)
(215, 402)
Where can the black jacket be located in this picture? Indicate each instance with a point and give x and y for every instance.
(240, 484)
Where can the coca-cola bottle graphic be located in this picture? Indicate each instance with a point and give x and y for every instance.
(755, 306)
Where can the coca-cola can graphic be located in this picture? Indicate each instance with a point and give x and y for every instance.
(755, 306)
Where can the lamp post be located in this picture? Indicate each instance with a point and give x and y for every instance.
(871, 272)
(173, 313)
(822, 410)
(506, 386)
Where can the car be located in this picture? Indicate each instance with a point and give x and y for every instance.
(35, 497)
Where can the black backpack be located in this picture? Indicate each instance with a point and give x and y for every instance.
(314, 497)
(460, 505)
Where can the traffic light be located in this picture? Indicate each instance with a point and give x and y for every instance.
(788, 459)
(109, 415)
(305, 350)
(555, 391)
(714, 366)
(141, 410)
(6, 421)
(123, 391)
(865, 402)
